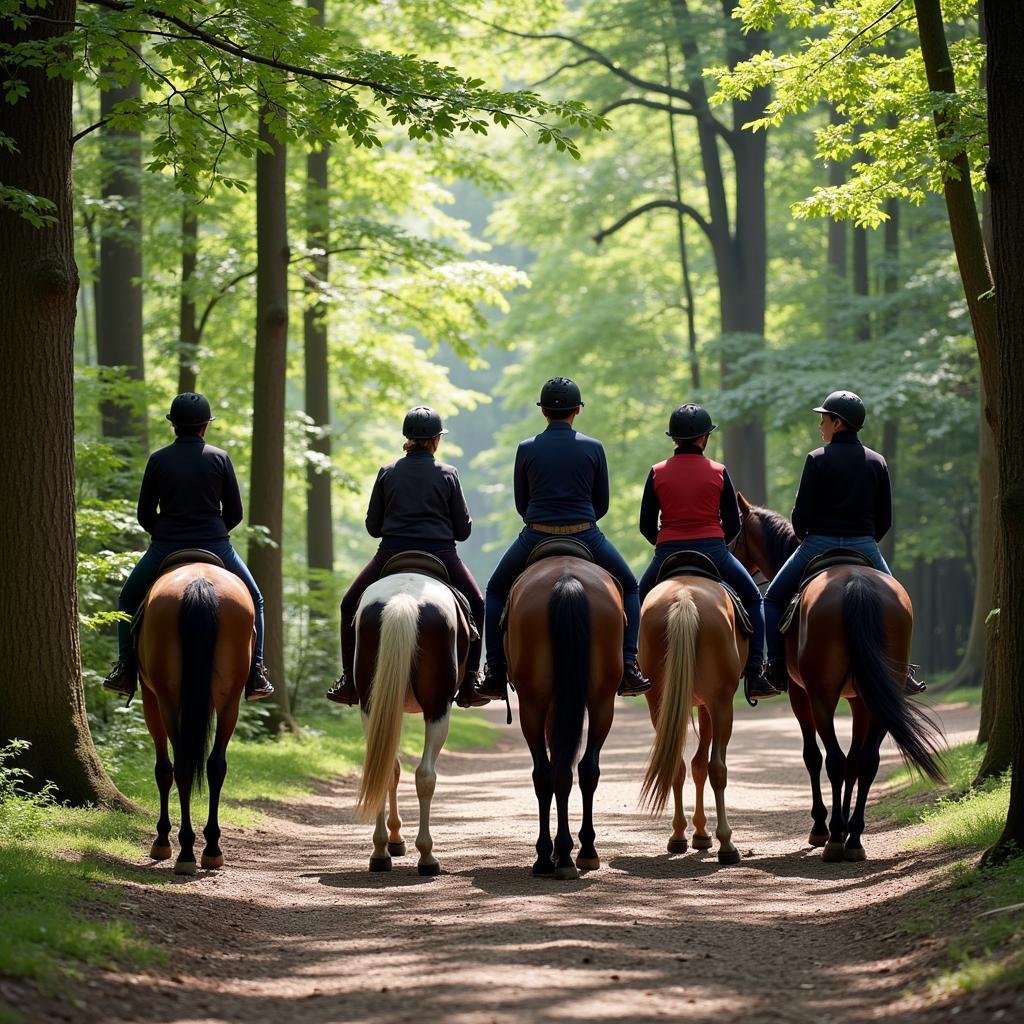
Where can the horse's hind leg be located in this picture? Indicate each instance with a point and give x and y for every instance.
(812, 762)
(216, 772)
(186, 862)
(861, 723)
(699, 771)
(435, 734)
(867, 769)
(590, 773)
(164, 774)
(835, 765)
(721, 719)
(380, 859)
(533, 732)
(396, 844)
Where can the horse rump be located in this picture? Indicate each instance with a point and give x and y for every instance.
(569, 619)
(197, 630)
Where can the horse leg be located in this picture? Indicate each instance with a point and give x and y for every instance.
(699, 770)
(677, 841)
(564, 866)
(835, 766)
(590, 774)
(532, 723)
(380, 859)
(721, 720)
(216, 771)
(164, 773)
(861, 721)
(801, 706)
(868, 768)
(186, 862)
(435, 734)
(396, 844)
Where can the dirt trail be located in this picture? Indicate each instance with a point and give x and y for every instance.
(296, 930)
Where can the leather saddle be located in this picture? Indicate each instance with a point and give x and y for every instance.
(186, 556)
(426, 564)
(815, 567)
(695, 563)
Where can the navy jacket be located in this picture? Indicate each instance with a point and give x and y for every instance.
(189, 493)
(561, 477)
(418, 501)
(844, 491)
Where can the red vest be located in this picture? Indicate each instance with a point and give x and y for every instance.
(689, 490)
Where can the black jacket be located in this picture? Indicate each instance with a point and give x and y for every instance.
(416, 498)
(844, 491)
(189, 493)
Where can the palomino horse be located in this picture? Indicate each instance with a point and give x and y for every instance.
(693, 650)
(563, 646)
(852, 641)
(195, 649)
(411, 644)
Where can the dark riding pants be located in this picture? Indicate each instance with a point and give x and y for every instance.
(144, 575)
(513, 562)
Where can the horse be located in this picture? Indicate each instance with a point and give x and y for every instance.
(693, 650)
(563, 648)
(194, 650)
(411, 645)
(852, 641)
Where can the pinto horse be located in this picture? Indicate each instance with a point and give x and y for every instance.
(692, 648)
(563, 647)
(194, 650)
(411, 645)
(852, 641)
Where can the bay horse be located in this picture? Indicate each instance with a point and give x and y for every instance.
(194, 650)
(693, 650)
(411, 646)
(563, 647)
(852, 640)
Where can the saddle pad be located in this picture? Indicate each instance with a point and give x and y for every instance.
(815, 567)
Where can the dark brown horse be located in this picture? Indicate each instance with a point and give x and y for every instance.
(194, 652)
(852, 640)
(564, 652)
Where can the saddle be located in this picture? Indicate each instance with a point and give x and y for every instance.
(187, 556)
(815, 567)
(694, 563)
(426, 564)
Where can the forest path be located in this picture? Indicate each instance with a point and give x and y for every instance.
(294, 929)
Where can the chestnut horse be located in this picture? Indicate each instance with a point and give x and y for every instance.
(411, 645)
(693, 650)
(852, 641)
(194, 651)
(563, 647)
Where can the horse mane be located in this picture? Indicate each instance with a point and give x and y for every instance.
(780, 541)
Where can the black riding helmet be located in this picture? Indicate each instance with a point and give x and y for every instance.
(560, 393)
(689, 422)
(190, 410)
(845, 405)
(422, 423)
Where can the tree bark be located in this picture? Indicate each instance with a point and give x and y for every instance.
(119, 277)
(266, 498)
(41, 698)
(188, 329)
(862, 322)
(836, 286)
(891, 286)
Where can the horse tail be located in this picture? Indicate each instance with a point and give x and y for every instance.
(396, 649)
(569, 621)
(682, 624)
(916, 735)
(197, 631)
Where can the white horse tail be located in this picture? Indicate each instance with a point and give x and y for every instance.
(682, 623)
(396, 648)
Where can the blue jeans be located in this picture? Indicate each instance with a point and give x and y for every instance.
(781, 589)
(513, 562)
(143, 576)
(732, 572)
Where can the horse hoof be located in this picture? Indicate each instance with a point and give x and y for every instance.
(544, 868)
(185, 867)
(567, 873)
(396, 849)
(429, 870)
(588, 863)
(679, 845)
(702, 842)
(818, 838)
(380, 863)
(728, 856)
(833, 852)
(158, 852)
(212, 863)
(854, 853)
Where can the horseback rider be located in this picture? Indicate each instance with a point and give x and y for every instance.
(561, 489)
(689, 504)
(844, 500)
(416, 504)
(189, 499)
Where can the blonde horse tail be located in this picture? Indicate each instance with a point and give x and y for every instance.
(681, 626)
(396, 648)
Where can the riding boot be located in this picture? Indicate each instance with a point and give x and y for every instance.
(756, 686)
(258, 686)
(777, 674)
(343, 691)
(634, 682)
(912, 685)
(123, 677)
(468, 695)
(494, 685)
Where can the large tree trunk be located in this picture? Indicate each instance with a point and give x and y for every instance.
(266, 488)
(1005, 24)
(836, 286)
(119, 278)
(41, 698)
(188, 329)
(891, 286)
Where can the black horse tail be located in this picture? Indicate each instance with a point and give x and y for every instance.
(197, 630)
(569, 618)
(917, 736)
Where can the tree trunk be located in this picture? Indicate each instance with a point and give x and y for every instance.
(862, 321)
(41, 698)
(1005, 24)
(188, 330)
(119, 277)
(891, 286)
(266, 489)
(836, 287)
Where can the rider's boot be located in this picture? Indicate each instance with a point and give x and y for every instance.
(343, 691)
(468, 695)
(757, 686)
(912, 685)
(258, 686)
(634, 682)
(123, 677)
(494, 685)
